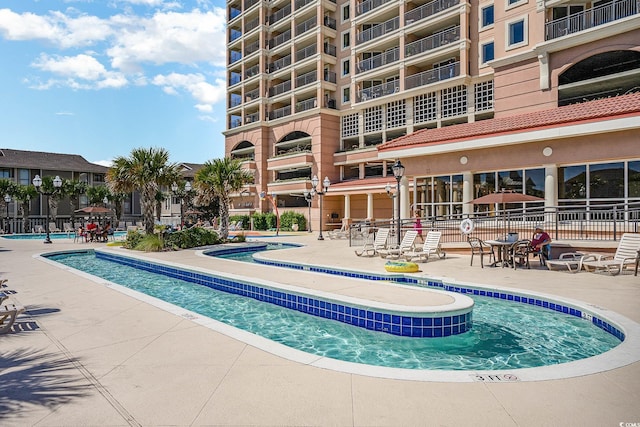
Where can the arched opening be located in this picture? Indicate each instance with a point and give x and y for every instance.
(244, 151)
(603, 75)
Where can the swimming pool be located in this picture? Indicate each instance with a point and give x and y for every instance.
(497, 342)
(42, 236)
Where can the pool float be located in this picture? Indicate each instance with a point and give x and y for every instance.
(401, 267)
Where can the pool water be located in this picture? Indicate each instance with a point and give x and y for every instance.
(42, 236)
(505, 335)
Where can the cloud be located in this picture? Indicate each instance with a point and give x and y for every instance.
(65, 113)
(107, 163)
(205, 93)
(80, 67)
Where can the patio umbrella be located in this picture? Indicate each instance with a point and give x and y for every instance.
(94, 210)
(504, 197)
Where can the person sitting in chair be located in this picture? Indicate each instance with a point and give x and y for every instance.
(541, 244)
(106, 231)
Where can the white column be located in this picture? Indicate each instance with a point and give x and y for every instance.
(405, 205)
(369, 205)
(347, 206)
(550, 185)
(467, 193)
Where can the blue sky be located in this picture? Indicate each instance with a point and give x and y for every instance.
(101, 77)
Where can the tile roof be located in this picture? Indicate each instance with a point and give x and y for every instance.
(597, 110)
(48, 161)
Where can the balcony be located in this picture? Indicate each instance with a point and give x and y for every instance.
(302, 3)
(234, 79)
(251, 48)
(427, 10)
(252, 118)
(234, 13)
(329, 22)
(369, 5)
(305, 79)
(329, 49)
(234, 56)
(280, 113)
(280, 39)
(307, 104)
(307, 25)
(330, 76)
(383, 89)
(279, 64)
(432, 42)
(306, 52)
(234, 35)
(591, 18)
(252, 95)
(281, 88)
(280, 15)
(249, 3)
(252, 71)
(378, 30)
(254, 23)
(377, 61)
(432, 76)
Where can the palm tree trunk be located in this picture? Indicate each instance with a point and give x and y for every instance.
(224, 217)
(148, 206)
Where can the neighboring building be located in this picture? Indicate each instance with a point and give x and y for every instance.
(472, 97)
(22, 166)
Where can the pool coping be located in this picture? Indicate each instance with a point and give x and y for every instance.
(626, 353)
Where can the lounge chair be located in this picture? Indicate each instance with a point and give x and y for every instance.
(407, 244)
(626, 255)
(8, 314)
(38, 229)
(479, 247)
(53, 227)
(67, 228)
(380, 242)
(571, 261)
(341, 233)
(430, 246)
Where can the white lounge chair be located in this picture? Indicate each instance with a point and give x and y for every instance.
(626, 255)
(431, 246)
(53, 227)
(8, 314)
(379, 243)
(571, 261)
(407, 244)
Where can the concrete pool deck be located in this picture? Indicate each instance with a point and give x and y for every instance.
(84, 354)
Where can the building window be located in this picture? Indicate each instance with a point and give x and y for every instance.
(350, 124)
(345, 13)
(487, 52)
(346, 65)
(98, 177)
(23, 177)
(516, 33)
(483, 95)
(346, 95)
(5, 173)
(510, 4)
(346, 40)
(633, 177)
(487, 16)
(454, 101)
(396, 114)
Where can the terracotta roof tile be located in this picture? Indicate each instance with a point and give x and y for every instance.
(588, 111)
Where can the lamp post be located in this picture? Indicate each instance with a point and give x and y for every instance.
(314, 190)
(264, 195)
(7, 200)
(57, 183)
(181, 195)
(309, 198)
(398, 172)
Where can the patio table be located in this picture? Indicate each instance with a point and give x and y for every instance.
(502, 249)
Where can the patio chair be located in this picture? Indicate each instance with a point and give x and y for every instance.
(38, 229)
(53, 227)
(519, 253)
(430, 246)
(626, 255)
(571, 261)
(407, 244)
(341, 233)
(67, 227)
(8, 314)
(479, 247)
(380, 242)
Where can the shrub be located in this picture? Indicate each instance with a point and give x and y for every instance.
(287, 219)
(191, 238)
(151, 243)
(133, 238)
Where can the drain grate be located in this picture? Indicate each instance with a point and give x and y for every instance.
(495, 378)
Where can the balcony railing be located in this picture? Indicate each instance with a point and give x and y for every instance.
(234, 35)
(369, 5)
(591, 18)
(280, 88)
(330, 49)
(234, 13)
(279, 64)
(330, 76)
(235, 122)
(428, 9)
(306, 79)
(280, 15)
(307, 104)
(379, 90)
(432, 76)
(252, 95)
(381, 60)
(432, 42)
(280, 113)
(251, 118)
(251, 48)
(280, 39)
(302, 3)
(306, 52)
(307, 25)
(252, 71)
(330, 22)
(249, 3)
(235, 101)
(254, 23)
(378, 30)
(234, 56)
(234, 79)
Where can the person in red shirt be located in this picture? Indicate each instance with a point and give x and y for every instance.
(541, 243)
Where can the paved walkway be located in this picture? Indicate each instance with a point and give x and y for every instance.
(85, 354)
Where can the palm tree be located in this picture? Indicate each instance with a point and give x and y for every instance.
(145, 170)
(23, 195)
(217, 180)
(74, 189)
